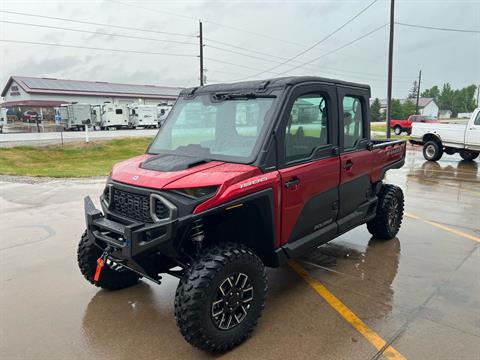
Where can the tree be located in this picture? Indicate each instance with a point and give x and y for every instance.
(409, 107)
(445, 99)
(397, 111)
(412, 94)
(433, 92)
(375, 110)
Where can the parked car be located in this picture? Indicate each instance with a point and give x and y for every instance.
(214, 200)
(400, 126)
(31, 116)
(449, 138)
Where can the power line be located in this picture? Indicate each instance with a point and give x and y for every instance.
(325, 38)
(337, 49)
(234, 64)
(437, 28)
(96, 48)
(313, 67)
(98, 32)
(240, 53)
(169, 41)
(208, 22)
(97, 24)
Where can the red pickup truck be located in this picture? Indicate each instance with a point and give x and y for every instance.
(241, 176)
(400, 126)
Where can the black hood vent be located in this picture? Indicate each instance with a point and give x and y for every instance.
(171, 163)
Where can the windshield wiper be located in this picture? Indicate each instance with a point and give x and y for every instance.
(240, 96)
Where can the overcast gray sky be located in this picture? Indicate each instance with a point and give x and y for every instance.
(280, 29)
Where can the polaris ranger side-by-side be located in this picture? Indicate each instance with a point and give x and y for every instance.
(241, 176)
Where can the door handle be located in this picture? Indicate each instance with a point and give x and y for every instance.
(292, 183)
(348, 165)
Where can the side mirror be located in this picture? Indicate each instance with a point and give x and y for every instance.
(370, 146)
(336, 151)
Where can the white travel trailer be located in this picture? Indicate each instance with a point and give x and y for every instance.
(114, 116)
(143, 115)
(3, 118)
(96, 116)
(162, 113)
(75, 116)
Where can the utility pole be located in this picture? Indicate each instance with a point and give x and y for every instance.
(390, 66)
(201, 53)
(478, 92)
(418, 90)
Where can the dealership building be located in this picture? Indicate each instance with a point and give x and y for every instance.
(44, 94)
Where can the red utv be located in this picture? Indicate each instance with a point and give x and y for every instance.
(241, 176)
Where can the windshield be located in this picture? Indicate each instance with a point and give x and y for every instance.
(219, 130)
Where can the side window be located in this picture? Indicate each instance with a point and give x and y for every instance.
(307, 127)
(477, 120)
(352, 121)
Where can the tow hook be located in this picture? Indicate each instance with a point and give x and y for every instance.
(101, 262)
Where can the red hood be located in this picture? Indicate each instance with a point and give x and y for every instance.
(211, 173)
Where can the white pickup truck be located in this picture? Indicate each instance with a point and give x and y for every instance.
(438, 138)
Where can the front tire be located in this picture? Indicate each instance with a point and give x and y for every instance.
(397, 130)
(112, 277)
(468, 155)
(432, 151)
(386, 224)
(221, 297)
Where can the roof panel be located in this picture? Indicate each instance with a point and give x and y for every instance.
(45, 84)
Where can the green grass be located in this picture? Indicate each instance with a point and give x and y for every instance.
(378, 127)
(383, 128)
(72, 160)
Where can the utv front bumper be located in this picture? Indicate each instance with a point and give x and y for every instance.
(130, 238)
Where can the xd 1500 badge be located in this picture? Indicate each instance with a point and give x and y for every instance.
(253, 182)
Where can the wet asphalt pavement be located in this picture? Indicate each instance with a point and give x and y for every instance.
(420, 292)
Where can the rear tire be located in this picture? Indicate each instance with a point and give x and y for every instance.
(386, 224)
(432, 151)
(221, 297)
(110, 278)
(397, 130)
(468, 155)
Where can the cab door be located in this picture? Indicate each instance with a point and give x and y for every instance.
(309, 167)
(356, 161)
(472, 134)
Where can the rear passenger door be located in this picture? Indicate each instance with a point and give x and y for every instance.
(308, 166)
(355, 191)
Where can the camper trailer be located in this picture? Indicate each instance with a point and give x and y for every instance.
(75, 116)
(162, 113)
(143, 116)
(114, 116)
(96, 117)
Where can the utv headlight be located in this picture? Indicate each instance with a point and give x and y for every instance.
(199, 192)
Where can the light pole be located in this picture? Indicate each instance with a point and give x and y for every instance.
(390, 66)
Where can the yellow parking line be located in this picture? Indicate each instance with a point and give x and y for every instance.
(444, 227)
(347, 314)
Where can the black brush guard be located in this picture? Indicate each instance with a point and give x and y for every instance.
(132, 238)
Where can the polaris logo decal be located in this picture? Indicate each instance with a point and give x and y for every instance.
(395, 151)
(253, 182)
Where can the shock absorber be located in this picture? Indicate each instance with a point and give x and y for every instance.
(197, 234)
